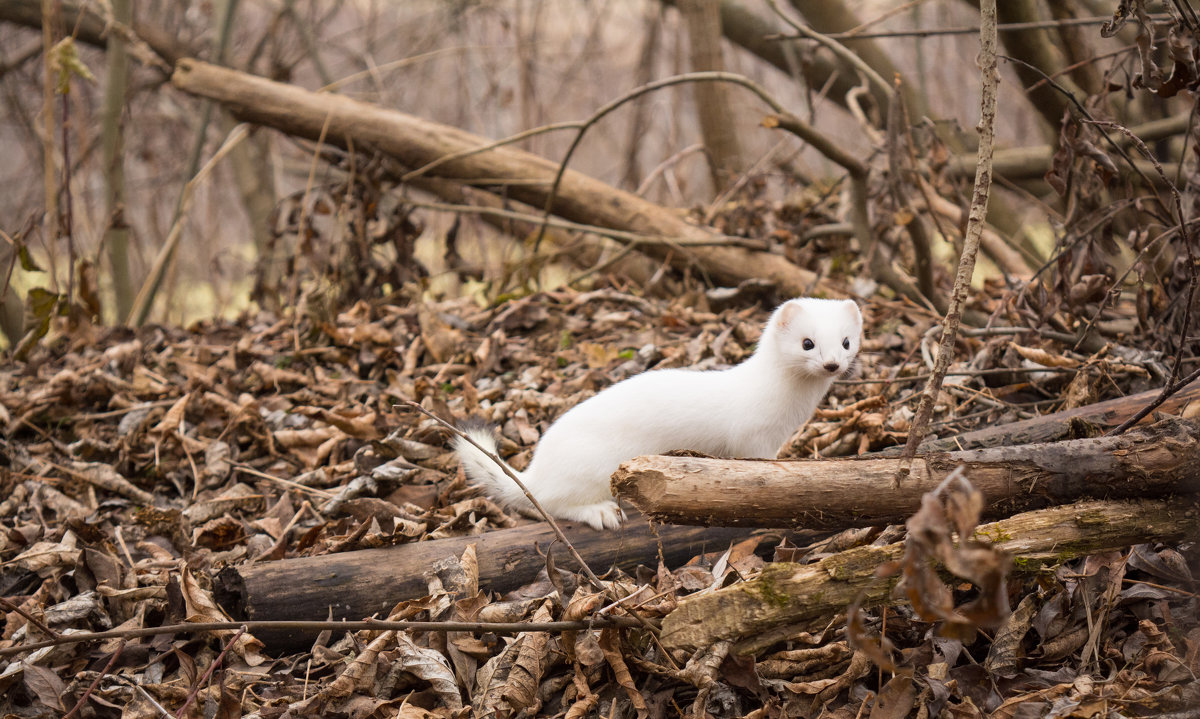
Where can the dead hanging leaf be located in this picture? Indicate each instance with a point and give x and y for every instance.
(360, 427)
(218, 462)
(74, 609)
(942, 531)
(106, 478)
(581, 606)
(219, 534)
(441, 340)
(239, 497)
(359, 671)
(172, 421)
(598, 356)
(879, 651)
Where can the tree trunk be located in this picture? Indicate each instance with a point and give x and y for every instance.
(1157, 461)
(714, 105)
(787, 593)
(415, 142)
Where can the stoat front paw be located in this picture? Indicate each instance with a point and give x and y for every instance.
(601, 515)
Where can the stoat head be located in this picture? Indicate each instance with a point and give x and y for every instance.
(813, 337)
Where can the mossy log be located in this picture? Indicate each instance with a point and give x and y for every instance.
(786, 593)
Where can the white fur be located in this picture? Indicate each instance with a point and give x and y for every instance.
(745, 411)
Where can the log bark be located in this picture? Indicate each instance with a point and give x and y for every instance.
(416, 142)
(1068, 424)
(787, 593)
(359, 584)
(1157, 461)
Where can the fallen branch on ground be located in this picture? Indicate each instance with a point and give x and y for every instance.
(786, 593)
(358, 584)
(1068, 424)
(1157, 461)
(416, 142)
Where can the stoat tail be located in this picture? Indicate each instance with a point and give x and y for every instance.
(482, 470)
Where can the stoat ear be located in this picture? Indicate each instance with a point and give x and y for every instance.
(788, 314)
(853, 312)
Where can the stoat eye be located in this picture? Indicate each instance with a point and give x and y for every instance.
(845, 343)
(807, 344)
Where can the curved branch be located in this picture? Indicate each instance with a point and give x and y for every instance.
(600, 114)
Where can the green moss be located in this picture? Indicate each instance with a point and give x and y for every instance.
(995, 535)
(768, 591)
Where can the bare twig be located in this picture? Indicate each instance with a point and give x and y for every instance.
(96, 682)
(937, 31)
(13, 607)
(182, 712)
(513, 476)
(322, 626)
(989, 79)
(844, 53)
(633, 95)
(1167, 392)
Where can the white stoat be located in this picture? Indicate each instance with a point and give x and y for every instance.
(744, 411)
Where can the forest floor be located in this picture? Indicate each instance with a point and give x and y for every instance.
(136, 465)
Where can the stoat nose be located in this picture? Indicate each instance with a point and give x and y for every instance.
(832, 367)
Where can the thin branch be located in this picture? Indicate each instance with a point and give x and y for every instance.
(322, 626)
(989, 79)
(1167, 392)
(843, 53)
(1193, 279)
(96, 682)
(633, 95)
(523, 135)
(964, 30)
(513, 476)
(191, 697)
(13, 607)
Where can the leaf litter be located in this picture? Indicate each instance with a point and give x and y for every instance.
(136, 465)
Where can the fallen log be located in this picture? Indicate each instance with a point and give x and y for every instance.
(363, 583)
(1147, 462)
(787, 593)
(416, 142)
(1068, 424)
